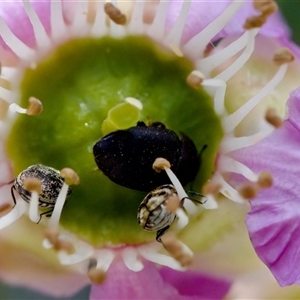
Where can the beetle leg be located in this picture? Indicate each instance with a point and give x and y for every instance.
(48, 214)
(13, 195)
(161, 232)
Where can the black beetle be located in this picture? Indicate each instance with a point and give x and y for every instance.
(126, 156)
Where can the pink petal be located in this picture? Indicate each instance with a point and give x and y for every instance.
(191, 283)
(274, 219)
(203, 13)
(152, 283)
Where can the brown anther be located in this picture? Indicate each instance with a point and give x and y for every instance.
(255, 21)
(211, 188)
(248, 191)
(61, 245)
(266, 7)
(160, 164)
(51, 235)
(265, 179)
(33, 185)
(272, 118)
(283, 56)
(115, 14)
(70, 176)
(35, 107)
(195, 79)
(97, 276)
(172, 203)
(5, 207)
(177, 249)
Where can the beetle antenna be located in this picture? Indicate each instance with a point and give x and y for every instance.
(202, 150)
(12, 189)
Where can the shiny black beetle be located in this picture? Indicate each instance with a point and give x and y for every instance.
(126, 156)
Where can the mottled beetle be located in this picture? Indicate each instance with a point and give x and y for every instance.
(153, 214)
(51, 184)
(126, 156)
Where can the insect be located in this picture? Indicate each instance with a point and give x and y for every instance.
(126, 156)
(153, 214)
(51, 184)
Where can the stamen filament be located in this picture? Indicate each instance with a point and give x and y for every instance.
(34, 207)
(99, 28)
(40, 34)
(175, 34)
(242, 59)
(198, 43)
(229, 164)
(54, 220)
(16, 45)
(130, 258)
(155, 29)
(230, 123)
(104, 259)
(58, 27)
(20, 208)
(207, 64)
(159, 258)
(136, 24)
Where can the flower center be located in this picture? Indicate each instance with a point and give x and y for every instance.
(79, 85)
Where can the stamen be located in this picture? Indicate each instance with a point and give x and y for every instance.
(242, 59)
(255, 22)
(211, 188)
(266, 7)
(99, 28)
(265, 179)
(33, 185)
(155, 29)
(104, 259)
(16, 45)
(173, 203)
(34, 108)
(40, 34)
(70, 177)
(162, 164)
(174, 36)
(230, 144)
(20, 208)
(136, 24)
(194, 79)
(283, 56)
(115, 14)
(58, 27)
(230, 122)
(216, 88)
(80, 26)
(97, 276)
(179, 251)
(135, 102)
(248, 191)
(83, 250)
(198, 43)
(273, 118)
(130, 258)
(227, 190)
(207, 64)
(228, 164)
(151, 254)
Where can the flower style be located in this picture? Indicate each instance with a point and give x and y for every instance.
(198, 62)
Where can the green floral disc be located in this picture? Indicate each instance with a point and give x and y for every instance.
(81, 85)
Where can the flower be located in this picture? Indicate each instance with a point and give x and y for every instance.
(99, 227)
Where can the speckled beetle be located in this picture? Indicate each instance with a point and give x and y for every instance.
(153, 214)
(51, 181)
(126, 156)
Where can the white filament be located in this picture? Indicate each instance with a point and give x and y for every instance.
(16, 108)
(136, 25)
(104, 259)
(60, 201)
(33, 212)
(130, 258)
(20, 208)
(230, 123)
(58, 27)
(198, 43)
(99, 28)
